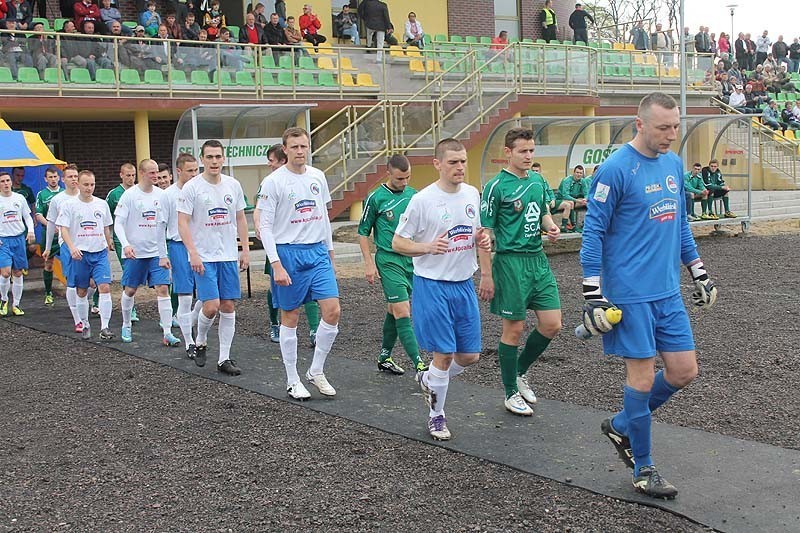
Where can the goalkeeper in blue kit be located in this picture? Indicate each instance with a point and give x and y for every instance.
(636, 234)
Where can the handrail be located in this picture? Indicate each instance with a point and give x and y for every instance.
(345, 109)
(438, 78)
(350, 125)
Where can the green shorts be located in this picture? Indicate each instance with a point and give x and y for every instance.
(55, 248)
(397, 272)
(522, 282)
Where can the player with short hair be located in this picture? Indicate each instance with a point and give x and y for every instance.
(127, 176)
(636, 235)
(182, 276)
(382, 211)
(16, 231)
(573, 189)
(296, 233)
(514, 207)
(43, 199)
(696, 190)
(164, 176)
(440, 230)
(139, 226)
(715, 183)
(210, 219)
(85, 225)
(565, 206)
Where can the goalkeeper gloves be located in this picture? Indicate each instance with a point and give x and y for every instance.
(705, 292)
(596, 318)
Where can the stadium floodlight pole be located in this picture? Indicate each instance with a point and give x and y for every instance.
(732, 7)
(682, 14)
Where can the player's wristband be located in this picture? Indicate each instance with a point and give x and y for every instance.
(697, 270)
(591, 288)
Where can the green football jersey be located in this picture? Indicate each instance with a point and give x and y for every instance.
(382, 210)
(112, 199)
(572, 189)
(549, 195)
(513, 208)
(43, 200)
(693, 184)
(25, 191)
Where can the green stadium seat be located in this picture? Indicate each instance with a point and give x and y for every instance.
(51, 75)
(567, 42)
(780, 97)
(306, 79)
(555, 41)
(650, 71)
(555, 69)
(154, 77)
(45, 23)
(285, 79)
(244, 78)
(486, 40)
(28, 75)
(105, 76)
(234, 33)
(606, 46)
(528, 69)
(285, 62)
(58, 24)
(130, 24)
(471, 39)
(223, 78)
(129, 76)
(200, 77)
(456, 39)
(541, 41)
(178, 77)
(268, 62)
(440, 38)
(610, 70)
(80, 75)
(580, 43)
(624, 70)
(326, 80)
(267, 79)
(638, 70)
(5, 75)
(307, 63)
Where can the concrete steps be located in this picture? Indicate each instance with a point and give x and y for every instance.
(768, 205)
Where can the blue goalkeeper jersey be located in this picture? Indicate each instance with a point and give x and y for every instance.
(636, 234)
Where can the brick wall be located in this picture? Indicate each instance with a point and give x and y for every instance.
(471, 17)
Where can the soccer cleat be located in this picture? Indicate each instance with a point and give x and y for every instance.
(620, 442)
(729, 214)
(4, 308)
(650, 483)
(16, 311)
(191, 350)
(86, 334)
(321, 383)
(570, 228)
(79, 327)
(422, 366)
(692, 218)
(525, 389)
(297, 391)
(175, 323)
(126, 335)
(427, 394)
(134, 316)
(95, 310)
(516, 404)
(48, 299)
(713, 216)
(437, 427)
(24, 271)
(579, 229)
(312, 338)
(388, 365)
(171, 340)
(705, 216)
(275, 333)
(200, 354)
(229, 367)
(106, 334)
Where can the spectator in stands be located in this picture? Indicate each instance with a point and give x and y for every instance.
(413, 33)
(213, 28)
(389, 39)
(689, 44)
(231, 55)
(251, 33)
(173, 28)
(715, 183)
(661, 41)
(109, 15)
(756, 94)
(84, 53)
(639, 37)
(724, 63)
(735, 74)
(21, 12)
(695, 190)
(42, 50)
(347, 24)
(780, 51)
(3, 11)
(280, 9)
(724, 87)
(794, 56)
(199, 56)
(160, 51)
(375, 15)
(12, 46)
(150, 19)
(276, 36)
(740, 51)
(787, 117)
(86, 10)
(499, 42)
(770, 62)
(261, 17)
(69, 27)
(698, 41)
(214, 12)
(796, 110)
(771, 117)
(782, 82)
(310, 26)
(293, 35)
(135, 53)
(577, 21)
(549, 22)
(738, 101)
(751, 53)
(724, 44)
(191, 29)
(763, 45)
(714, 49)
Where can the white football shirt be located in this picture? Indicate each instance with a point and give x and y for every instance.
(14, 209)
(169, 209)
(86, 222)
(213, 210)
(433, 212)
(56, 205)
(294, 209)
(142, 219)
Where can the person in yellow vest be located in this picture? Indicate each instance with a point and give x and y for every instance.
(549, 22)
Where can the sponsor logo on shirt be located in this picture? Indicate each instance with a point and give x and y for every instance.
(98, 215)
(672, 184)
(292, 196)
(484, 206)
(217, 213)
(10, 215)
(304, 206)
(664, 210)
(470, 211)
(635, 169)
(228, 199)
(88, 225)
(653, 187)
(459, 233)
(314, 188)
(518, 205)
(150, 215)
(389, 215)
(601, 192)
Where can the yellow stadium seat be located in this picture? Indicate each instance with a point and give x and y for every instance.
(326, 48)
(638, 58)
(325, 63)
(347, 64)
(789, 134)
(396, 51)
(309, 48)
(346, 80)
(416, 65)
(629, 46)
(365, 80)
(674, 72)
(618, 46)
(433, 66)
(413, 51)
(651, 59)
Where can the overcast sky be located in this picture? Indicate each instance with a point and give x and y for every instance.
(777, 16)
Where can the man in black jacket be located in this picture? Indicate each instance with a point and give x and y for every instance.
(274, 35)
(375, 15)
(577, 21)
(740, 51)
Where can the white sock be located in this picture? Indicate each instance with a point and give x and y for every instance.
(126, 304)
(5, 284)
(289, 353)
(90, 293)
(165, 314)
(72, 302)
(198, 306)
(82, 305)
(185, 317)
(326, 334)
(227, 327)
(203, 326)
(104, 303)
(455, 369)
(16, 290)
(438, 381)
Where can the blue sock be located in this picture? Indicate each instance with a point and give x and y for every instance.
(661, 391)
(638, 412)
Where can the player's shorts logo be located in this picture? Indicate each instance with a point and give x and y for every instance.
(98, 215)
(305, 206)
(470, 211)
(314, 188)
(664, 210)
(389, 215)
(228, 199)
(672, 184)
(88, 224)
(461, 232)
(150, 215)
(217, 213)
(518, 205)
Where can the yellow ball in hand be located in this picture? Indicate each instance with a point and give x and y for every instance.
(614, 315)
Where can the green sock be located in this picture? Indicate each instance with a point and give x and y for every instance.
(273, 312)
(96, 298)
(534, 346)
(174, 298)
(726, 203)
(703, 206)
(389, 336)
(408, 339)
(312, 314)
(564, 223)
(508, 367)
(572, 217)
(47, 276)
